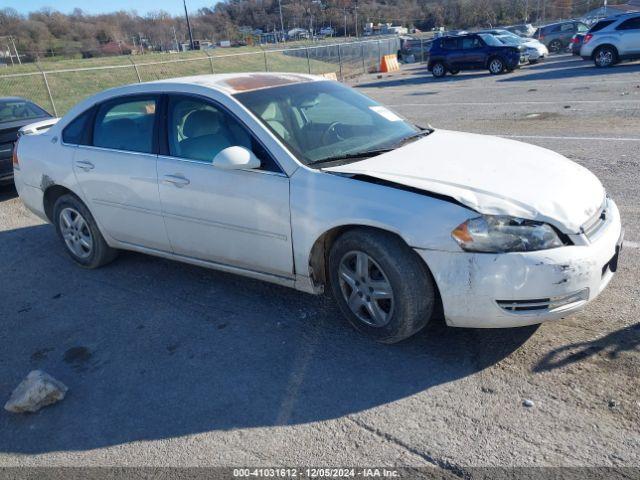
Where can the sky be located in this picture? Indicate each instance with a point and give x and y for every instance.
(101, 6)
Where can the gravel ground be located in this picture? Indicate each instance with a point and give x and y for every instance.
(174, 365)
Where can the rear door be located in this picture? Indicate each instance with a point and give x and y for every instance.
(454, 54)
(629, 34)
(117, 171)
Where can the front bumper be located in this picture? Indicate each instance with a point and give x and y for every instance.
(483, 290)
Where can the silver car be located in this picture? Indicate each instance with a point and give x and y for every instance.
(612, 40)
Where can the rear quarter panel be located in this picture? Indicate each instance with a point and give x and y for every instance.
(44, 162)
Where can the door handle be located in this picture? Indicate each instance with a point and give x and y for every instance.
(177, 180)
(85, 165)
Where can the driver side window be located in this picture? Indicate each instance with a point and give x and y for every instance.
(199, 130)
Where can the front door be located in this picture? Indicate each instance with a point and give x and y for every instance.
(117, 172)
(473, 52)
(629, 35)
(234, 217)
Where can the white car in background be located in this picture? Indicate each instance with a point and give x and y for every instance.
(307, 183)
(536, 50)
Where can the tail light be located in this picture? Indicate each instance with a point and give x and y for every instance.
(14, 156)
(587, 37)
(540, 37)
(574, 40)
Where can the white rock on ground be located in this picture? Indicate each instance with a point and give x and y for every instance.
(38, 390)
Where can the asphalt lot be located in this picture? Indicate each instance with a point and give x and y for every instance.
(170, 364)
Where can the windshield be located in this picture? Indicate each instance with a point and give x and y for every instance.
(14, 110)
(509, 40)
(321, 120)
(490, 40)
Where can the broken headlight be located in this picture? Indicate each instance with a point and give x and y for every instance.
(501, 233)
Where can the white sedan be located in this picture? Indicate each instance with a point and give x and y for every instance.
(307, 183)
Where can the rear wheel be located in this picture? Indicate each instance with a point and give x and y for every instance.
(454, 71)
(438, 70)
(380, 285)
(79, 233)
(605, 57)
(555, 46)
(496, 66)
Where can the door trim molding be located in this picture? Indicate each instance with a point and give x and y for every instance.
(228, 226)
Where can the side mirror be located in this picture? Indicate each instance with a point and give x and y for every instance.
(236, 158)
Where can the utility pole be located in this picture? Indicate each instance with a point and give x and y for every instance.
(605, 8)
(10, 54)
(175, 39)
(281, 18)
(345, 22)
(356, 18)
(186, 14)
(15, 49)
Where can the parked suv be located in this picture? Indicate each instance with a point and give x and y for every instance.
(473, 51)
(613, 39)
(557, 36)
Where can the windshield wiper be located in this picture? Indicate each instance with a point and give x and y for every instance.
(374, 152)
(349, 156)
(421, 133)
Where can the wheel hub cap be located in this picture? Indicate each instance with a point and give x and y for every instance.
(76, 233)
(366, 289)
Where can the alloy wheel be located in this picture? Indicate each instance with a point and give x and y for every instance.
(366, 289)
(76, 233)
(495, 66)
(438, 70)
(604, 58)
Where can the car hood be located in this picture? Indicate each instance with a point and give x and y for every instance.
(492, 175)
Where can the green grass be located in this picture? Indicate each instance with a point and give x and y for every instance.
(69, 87)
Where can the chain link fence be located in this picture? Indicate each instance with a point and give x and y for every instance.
(58, 90)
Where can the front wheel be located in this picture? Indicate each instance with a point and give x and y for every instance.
(80, 234)
(496, 66)
(380, 285)
(454, 71)
(533, 62)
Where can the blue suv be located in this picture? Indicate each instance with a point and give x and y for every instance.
(473, 51)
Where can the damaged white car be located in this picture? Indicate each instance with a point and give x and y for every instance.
(307, 183)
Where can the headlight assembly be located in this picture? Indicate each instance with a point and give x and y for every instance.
(501, 233)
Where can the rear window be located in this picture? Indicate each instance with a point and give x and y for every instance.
(600, 25)
(15, 110)
(126, 124)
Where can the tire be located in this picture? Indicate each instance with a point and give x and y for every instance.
(555, 46)
(496, 66)
(533, 62)
(406, 293)
(438, 70)
(605, 57)
(79, 233)
(454, 72)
